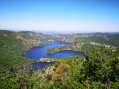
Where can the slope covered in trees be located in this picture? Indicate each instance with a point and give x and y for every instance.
(12, 46)
(110, 39)
(75, 47)
(41, 36)
(34, 35)
(97, 69)
(83, 42)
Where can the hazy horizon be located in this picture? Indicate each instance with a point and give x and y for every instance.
(40, 31)
(60, 15)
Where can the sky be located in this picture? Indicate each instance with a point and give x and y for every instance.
(60, 15)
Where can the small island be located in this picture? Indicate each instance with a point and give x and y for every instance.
(48, 60)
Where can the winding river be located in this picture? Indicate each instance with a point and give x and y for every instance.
(40, 52)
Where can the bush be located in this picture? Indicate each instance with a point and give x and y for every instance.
(49, 77)
(43, 71)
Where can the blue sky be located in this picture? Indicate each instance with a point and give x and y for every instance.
(60, 15)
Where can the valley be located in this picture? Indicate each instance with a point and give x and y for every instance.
(65, 61)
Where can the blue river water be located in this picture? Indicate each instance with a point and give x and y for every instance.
(40, 52)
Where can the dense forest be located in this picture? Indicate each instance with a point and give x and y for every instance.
(97, 69)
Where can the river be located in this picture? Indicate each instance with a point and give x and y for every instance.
(40, 52)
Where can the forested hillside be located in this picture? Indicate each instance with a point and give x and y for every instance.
(35, 35)
(75, 47)
(41, 36)
(111, 39)
(97, 69)
(12, 46)
(81, 42)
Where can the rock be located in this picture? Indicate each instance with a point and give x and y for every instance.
(48, 60)
(49, 70)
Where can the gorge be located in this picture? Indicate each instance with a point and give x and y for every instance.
(40, 52)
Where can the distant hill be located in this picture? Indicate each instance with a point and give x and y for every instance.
(38, 36)
(102, 38)
(98, 33)
(41, 36)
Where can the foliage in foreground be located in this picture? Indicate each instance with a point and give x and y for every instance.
(98, 69)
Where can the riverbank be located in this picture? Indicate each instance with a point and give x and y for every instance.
(79, 47)
(73, 47)
(45, 43)
(25, 67)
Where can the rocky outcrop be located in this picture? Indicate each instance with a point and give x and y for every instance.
(49, 70)
(48, 60)
(50, 40)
